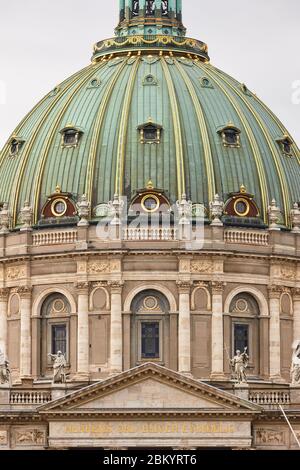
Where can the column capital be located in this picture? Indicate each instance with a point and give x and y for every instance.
(82, 287)
(116, 286)
(217, 287)
(275, 291)
(25, 292)
(296, 293)
(4, 293)
(184, 287)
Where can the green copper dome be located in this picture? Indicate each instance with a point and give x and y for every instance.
(213, 134)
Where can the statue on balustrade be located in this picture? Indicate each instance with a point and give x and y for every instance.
(135, 8)
(59, 366)
(4, 369)
(239, 363)
(295, 369)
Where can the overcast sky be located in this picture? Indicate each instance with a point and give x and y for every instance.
(44, 41)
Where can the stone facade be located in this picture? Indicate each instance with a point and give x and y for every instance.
(102, 295)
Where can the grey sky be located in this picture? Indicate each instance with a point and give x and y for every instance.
(44, 41)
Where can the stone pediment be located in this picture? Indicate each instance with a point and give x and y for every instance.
(149, 388)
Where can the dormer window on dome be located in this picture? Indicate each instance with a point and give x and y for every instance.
(286, 145)
(150, 201)
(150, 80)
(150, 133)
(230, 136)
(15, 146)
(70, 136)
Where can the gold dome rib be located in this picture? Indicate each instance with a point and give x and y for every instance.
(97, 130)
(45, 149)
(277, 161)
(32, 141)
(177, 131)
(123, 130)
(251, 138)
(28, 116)
(203, 131)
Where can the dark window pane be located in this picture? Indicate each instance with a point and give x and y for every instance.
(231, 137)
(150, 133)
(286, 146)
(150, 340)
(241, 337)
(59, 339)
(70, 138)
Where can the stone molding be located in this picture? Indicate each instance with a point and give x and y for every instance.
(275, 291)
(4, 293)
(184, 287)
(25, 292)
(217, 287)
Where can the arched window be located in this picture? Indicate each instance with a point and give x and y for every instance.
(244, 312)
(55, 325)
(150, 327)
(15, 146)
(150, 132)
(230, 135)
(286, 145)
(70, 136)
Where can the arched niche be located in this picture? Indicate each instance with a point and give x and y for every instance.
(201, 299)
(99, 299)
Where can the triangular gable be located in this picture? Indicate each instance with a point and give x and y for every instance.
(149, 387)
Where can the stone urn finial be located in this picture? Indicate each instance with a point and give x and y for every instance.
(295, 218)
(26, 216)
(274, 216)
(116, 207)
(216, 210)
(5, 218)
(184, 210)
(83, 211)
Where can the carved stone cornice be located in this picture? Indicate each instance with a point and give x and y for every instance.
(25, 292)
(82, 287)
(4, 293)
(99, 284)
(217, 287)
(275, 291)
(184, 286)
(116, 286)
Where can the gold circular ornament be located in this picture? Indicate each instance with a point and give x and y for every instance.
(150, 203)
(242, 305)
(150, 303)
(58, 305)
(59, 207)
(241, 207)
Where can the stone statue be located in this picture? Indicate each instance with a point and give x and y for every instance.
(4, 369)
(135, 8)
(239, 364)
(59, 364)
(164, 7)
(150, 7)
(295, 369)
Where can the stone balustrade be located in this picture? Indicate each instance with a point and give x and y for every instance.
(145, 233)
(271, 398)
(31, 397)
(247, 237)
(54, 238)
